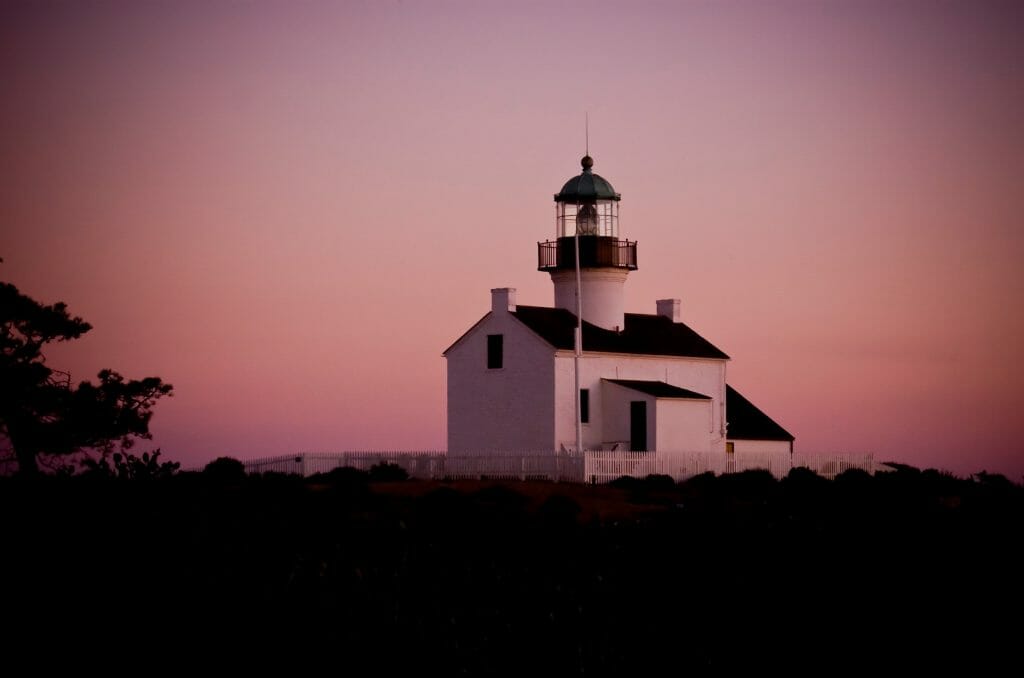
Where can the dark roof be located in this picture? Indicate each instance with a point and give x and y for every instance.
(658, 389)
(587, 187)
(747, 422)
(643, 334)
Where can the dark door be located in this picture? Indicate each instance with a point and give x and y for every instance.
(638, 425)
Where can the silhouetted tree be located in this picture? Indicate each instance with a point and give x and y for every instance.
(41, 412)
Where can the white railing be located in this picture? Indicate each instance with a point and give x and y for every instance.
(590, 467)
(604, 466)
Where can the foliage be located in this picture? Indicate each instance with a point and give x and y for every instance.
(385, 472)
(126, 466)
(625, 482)
(659, 481)
(345, 476)
(42, 415)
(225, 469)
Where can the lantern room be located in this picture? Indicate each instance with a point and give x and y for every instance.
(588, 207)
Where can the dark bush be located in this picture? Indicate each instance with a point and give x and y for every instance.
(625, 482)
(799, 476)
(659, 482)
(853, 477)
(702, 481)
(804, 487)
(225, 470)
(126, 466)
(385, 472)
(343, 475)
(751, 484)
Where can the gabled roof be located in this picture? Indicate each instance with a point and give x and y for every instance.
(643, 334)
(658, 389)
(747, 422)
(466, 333)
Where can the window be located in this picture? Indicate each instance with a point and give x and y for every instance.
(730, 448)
(585, 405)
(495, 352)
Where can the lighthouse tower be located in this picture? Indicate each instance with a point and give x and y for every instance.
(587, 221)
(585, 375)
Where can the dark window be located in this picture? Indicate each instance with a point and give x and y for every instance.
(495, 351)
(585, 405)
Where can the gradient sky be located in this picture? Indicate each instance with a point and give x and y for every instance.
(288, 210)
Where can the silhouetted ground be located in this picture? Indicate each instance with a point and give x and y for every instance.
(906, 570)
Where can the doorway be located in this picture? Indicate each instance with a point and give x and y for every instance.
(638, 426)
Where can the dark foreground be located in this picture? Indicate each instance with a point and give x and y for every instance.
(902, 571)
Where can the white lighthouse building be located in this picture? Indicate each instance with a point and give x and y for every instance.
(520, 380)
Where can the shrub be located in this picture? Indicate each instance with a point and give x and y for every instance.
(342, 475)
(659, 481)
(625, 482)
(225, 470)
(385, 472)
(127, 466)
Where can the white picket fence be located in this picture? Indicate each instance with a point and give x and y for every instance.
(591, 466)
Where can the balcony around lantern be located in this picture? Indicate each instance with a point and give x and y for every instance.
(596, 251)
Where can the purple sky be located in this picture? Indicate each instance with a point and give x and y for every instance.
(288, 210)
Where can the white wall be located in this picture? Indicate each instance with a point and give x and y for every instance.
(529, 404)
(615, 416)
(604, 302)
(510, 408)
(673, 424)
(770, 446)
(705, 376)
(682, 425)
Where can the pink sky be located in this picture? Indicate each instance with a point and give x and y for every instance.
(288, 210)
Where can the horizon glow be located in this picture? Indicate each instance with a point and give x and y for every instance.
(288, 212)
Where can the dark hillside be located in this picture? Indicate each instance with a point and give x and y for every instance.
(911, 569)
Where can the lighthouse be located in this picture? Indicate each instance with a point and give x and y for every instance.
(587, 221)
(585, 375)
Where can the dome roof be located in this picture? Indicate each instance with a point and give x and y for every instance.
(587, 187)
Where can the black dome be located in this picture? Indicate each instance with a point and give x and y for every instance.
(587, 187)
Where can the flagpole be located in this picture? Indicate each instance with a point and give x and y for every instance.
(578, 340)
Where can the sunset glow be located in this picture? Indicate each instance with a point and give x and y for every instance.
(288, 211)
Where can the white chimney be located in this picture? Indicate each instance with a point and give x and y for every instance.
(670, 309)
(503, 300)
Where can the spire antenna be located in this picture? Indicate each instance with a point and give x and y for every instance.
(587, 124)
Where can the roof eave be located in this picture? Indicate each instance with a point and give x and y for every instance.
(444, 353)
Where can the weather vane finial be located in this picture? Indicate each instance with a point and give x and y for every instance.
(587, 128)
